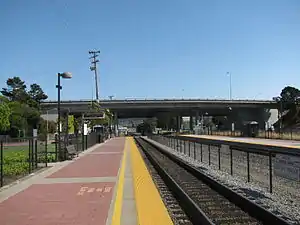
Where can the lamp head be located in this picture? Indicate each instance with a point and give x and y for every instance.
(66, 75)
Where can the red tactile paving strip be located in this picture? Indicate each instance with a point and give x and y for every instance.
(59, 204)
(116, 145)
(93, 165)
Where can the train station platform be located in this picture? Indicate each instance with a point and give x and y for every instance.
(107, 184)
(260, 141)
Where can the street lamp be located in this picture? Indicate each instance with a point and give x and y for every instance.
(64, 75)
(230, 85)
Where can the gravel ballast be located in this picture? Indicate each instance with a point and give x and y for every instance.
(285, 199)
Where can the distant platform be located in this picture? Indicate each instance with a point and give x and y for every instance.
(260, 141)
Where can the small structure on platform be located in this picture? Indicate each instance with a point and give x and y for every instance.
(250, 129)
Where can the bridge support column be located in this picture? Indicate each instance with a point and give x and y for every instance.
(191, 123)
(178, 122)
(197, 118)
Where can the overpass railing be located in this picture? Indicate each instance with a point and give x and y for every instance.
(271, 168)
(167, 99)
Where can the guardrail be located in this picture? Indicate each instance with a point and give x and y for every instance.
(271, 167)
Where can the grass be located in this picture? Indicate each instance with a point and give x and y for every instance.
(16, 159)
(17, 162)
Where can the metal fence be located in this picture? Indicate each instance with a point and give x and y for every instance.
(21, 157)
(292, 134)
(275, 169)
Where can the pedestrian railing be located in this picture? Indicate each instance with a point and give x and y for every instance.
(21, 157)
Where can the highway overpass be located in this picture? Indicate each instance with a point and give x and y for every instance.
(123, 107)
(259, 110)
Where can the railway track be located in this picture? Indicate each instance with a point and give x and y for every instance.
(204, 200)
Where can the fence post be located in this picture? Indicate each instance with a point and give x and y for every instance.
(173, 142)
(180, 145)
(56, 143)
(194, 150)
(46, 150)
(201, 152)
(86, 142)
(209, 155)
(1, 168)
(36, 153)
(219, 156)
(29, 155)
(189, 148)
(82, 141)
(270, 172)
(248, 167)
(177, 144)
(231, 168)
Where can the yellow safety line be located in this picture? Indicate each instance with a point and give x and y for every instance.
(242, 141)
(116, 218)
(149, 205)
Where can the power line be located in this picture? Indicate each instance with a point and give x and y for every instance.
(93, 67)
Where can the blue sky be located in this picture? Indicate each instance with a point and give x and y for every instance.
(153, 49)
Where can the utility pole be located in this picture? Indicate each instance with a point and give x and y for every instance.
(93, 67)
(230, 86)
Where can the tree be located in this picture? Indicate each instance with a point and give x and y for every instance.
(33, 116)
(36, 95)
(146, 127)
(289, 97)
(5, 113)
(17, 119)
(23, 118)
(42, 128)
(16, 90)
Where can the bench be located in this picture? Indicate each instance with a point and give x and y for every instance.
(71, 151)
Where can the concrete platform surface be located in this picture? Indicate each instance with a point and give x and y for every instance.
(261, 141)
(107, 184)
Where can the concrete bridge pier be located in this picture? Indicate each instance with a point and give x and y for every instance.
(179, 123)
(191, 123)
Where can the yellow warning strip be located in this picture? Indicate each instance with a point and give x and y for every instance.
(231, 139)
(116, 218)
(149, 205)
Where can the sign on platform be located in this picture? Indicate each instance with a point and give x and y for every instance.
(35, 133)
(85, 129)
(287, 167)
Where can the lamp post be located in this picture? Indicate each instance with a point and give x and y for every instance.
(64, 75)
(230, 86)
